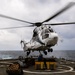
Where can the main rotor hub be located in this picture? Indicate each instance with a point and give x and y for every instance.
(38, 24)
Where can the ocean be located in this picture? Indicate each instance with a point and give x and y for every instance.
(67, 54)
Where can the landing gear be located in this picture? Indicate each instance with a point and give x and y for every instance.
(28, 53)
(50, 50)
(45, 52)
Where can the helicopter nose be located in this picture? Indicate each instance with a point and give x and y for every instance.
(54, 36)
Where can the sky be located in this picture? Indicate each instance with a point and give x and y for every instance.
(35, 11)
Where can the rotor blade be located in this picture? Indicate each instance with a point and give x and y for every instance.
(61, 11)
(61, 23)
(4, 16)
(14, 27)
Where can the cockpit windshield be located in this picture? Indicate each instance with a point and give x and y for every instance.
(47, 31)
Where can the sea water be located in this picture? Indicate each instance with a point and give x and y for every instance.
(67, 54)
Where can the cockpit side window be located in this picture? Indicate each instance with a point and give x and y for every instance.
(51, 30)
(46, 31)
(34, 33)
(45, 36)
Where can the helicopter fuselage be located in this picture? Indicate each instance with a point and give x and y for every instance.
(43, 38)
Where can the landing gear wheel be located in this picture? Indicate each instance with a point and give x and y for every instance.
(28, 53)
(50, 50)
(45, 52)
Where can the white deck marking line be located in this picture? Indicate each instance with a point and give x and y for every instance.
(71, 69)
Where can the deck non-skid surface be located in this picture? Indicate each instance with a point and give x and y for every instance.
(62, 70)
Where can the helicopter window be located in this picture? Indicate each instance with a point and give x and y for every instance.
(34, 34)
(47, 31)
(45, 36)
(51, 30)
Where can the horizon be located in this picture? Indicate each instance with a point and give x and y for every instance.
(35, 11)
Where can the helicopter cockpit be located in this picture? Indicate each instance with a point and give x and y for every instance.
(44, 30)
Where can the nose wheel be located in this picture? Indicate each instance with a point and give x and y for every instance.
(45, 52)
(50, 50)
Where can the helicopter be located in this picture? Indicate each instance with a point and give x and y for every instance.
(44, 37)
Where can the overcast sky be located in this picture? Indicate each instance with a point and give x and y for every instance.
(35, 11)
